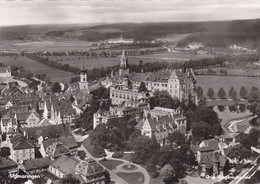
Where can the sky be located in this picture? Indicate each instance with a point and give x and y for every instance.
(24, 12)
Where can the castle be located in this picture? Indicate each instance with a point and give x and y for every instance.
(178, 84)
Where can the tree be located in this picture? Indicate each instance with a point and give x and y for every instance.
(239, 152)
(5, 152)
(222, 93)
(200, 92)
(167, 173)
(163, 99)
(144, 148)
(56, 88)
(142, 87)
(243, 92)
(232, 93)
(177, 137)
(210, 93)
(248, 140)
(221, 108)
(70, 180)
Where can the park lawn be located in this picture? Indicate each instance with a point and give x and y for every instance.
(216, 82)
(110, 164)
(86, 143)
(157, 180)
(37, 68)
(131, 178)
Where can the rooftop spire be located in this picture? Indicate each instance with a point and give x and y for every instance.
(123, 54)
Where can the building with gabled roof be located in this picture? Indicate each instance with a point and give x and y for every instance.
(8, 123)
(28, 119)
(20, 148)
(63, 166)
(68, 141)
(56, 149)
(213, 164)
(36, 165)
(162, 126)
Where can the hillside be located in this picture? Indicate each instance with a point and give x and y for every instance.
(213, 34)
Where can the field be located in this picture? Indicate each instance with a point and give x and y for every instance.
(216, 82)
(175, 56)
(37, 68)
(173, 37)
(90, 63)
(232, 71)
(52, 45)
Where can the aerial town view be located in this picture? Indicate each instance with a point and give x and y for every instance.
(129, 92)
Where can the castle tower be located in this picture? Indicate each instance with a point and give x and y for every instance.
(123, 70)
(83, 84)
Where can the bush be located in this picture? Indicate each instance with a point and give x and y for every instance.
(118, 154)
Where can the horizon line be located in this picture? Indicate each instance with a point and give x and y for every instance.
(126, 22)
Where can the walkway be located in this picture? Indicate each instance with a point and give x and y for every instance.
(113, 173)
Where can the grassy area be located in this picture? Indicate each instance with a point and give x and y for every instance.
(173, 37)
(227, 116)
(232, 71)
(157, 180)
(110, 164)
(90, 147)
(37, 68)
(132, 178)
(90, 63)
(216, 82)
(46, 45)
(175, 56)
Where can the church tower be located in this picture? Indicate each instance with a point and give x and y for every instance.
(123, 69)
(83, 84)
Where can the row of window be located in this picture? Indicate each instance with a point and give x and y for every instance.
(124, 96)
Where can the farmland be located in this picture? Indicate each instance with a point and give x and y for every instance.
(97, 62)
(232, 71)
(90, 63)
(46, 45)
(37, 68)
(216, 82)
(174, 56)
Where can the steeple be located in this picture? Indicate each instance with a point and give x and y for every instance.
(123, 69)
(123, 61)
(83, 84)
